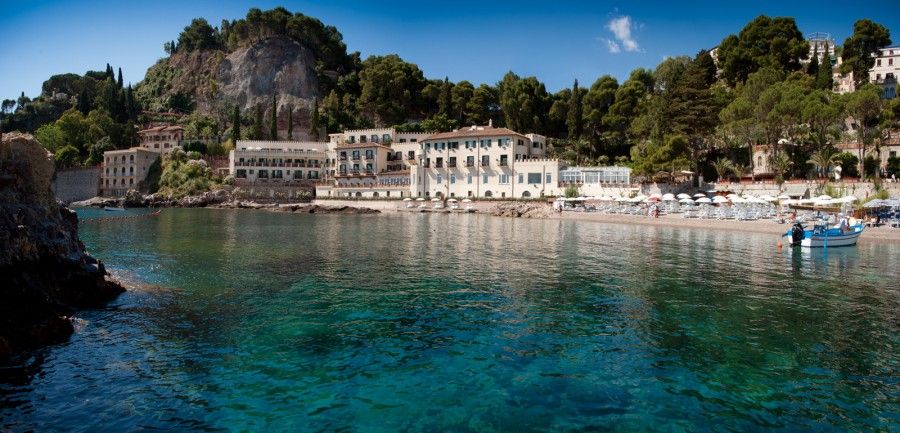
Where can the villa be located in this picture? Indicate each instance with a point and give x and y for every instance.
(126, 169)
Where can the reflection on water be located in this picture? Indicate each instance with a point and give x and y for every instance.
(468, 323)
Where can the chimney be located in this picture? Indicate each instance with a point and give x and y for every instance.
(490, 123)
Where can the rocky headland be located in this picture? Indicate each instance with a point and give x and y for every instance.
(45, 272)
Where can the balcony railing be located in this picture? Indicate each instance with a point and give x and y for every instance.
(451, 165)
(503, 163)
(485, 163)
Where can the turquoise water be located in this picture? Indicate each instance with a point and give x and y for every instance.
(415, 322)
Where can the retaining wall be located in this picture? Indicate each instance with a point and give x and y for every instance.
(74, 184)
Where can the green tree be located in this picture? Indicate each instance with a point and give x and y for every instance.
(597, 101)
(257, 131)
(95, 151)
(823, 159)
(864, 105)
(273, 121)
(445, 98)
(439, 123)
(290, 126)
(824, 76)
(390, 89)
(199, 35)
(524, 102)
(236, 124)
(66, 157)
(860, 48)
(314, 120)
(723, 167)
(764, 42)
(484, 103)
(574, 113)
(849, 164)
(461, 94)
(51, 137)
(119, 81)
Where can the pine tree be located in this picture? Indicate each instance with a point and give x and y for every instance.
(236, 125)
(273, 124)
(574, 117)
(290, 130)
(119, 81)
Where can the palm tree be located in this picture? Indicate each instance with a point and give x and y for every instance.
(722, 166)
(823, 159)
(781, 163)
(739, 171)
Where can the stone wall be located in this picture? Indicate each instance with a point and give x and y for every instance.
(75, 184)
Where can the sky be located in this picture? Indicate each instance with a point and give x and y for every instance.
(478, 41)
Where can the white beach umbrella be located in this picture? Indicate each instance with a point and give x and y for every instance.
(699, 195)
(420, 199)
(407, 199)
(703, 200)
(668, 197)
(683, 195)
(686, 200)
(435, 199)
(720, 199)
(465, 200)
(451, 200)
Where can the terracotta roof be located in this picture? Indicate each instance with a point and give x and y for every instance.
(162, 128)
(481, 131)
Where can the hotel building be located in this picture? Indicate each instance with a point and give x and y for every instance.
(477, 162)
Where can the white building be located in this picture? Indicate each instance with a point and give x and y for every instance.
(124, 170)
(886, 70)
(162, 138)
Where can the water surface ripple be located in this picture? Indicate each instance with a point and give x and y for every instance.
(415, 322)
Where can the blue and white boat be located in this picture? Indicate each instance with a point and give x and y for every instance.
(822, 236)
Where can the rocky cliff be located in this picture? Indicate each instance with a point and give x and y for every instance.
(45, 273)
(215, 80)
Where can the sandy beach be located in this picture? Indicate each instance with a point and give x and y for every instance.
(876, 234)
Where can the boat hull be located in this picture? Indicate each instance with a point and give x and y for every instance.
(830, 238)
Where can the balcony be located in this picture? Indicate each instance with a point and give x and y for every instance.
(485, 163)
(503, 163)
(356, 158)
(438, 165)
(451, 165)
(470, 164)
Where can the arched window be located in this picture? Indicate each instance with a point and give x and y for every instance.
(488, 194)
(358, 194)
(526, 194)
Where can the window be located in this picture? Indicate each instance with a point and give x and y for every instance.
(411, 154)
(438, 162)
(356, 167)
(878, 62)
(355, 154)
(504, 160)
(370, 154)
(469, 177)
(451, 161)
(521, 178)
(534, 178)
(484, 179)
(369, 168)
(549, 178)
(362, 138)
(440, 179)
(535, 144)
(520, 143)
(452, 178)
(485, 160)
(470, 161)
(504, 178)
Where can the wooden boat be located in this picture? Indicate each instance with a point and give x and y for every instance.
(822, 236)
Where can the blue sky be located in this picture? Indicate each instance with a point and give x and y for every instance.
(479, 41)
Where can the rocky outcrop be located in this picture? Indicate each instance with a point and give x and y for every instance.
(522, 210)
(248, 76)
(45, 272)
(319, 209)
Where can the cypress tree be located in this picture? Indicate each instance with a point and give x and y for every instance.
(290, 122)
(445, 98)
(273, 125)
(574, 118)
(119, 80)
(110, 73)
(84, 102)
(130, 108)
(813, 69)
(257, 131)
(824, 78)
(314, 119)
(236, 125)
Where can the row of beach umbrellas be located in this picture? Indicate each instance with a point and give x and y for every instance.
(435, 199)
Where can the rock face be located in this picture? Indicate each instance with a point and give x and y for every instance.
(45, 273)
(214, 79)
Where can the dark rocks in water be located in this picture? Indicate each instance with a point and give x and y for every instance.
(45, 272)
(319, 209)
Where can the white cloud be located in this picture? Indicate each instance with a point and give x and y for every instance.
(613, 46)
(621, 27)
